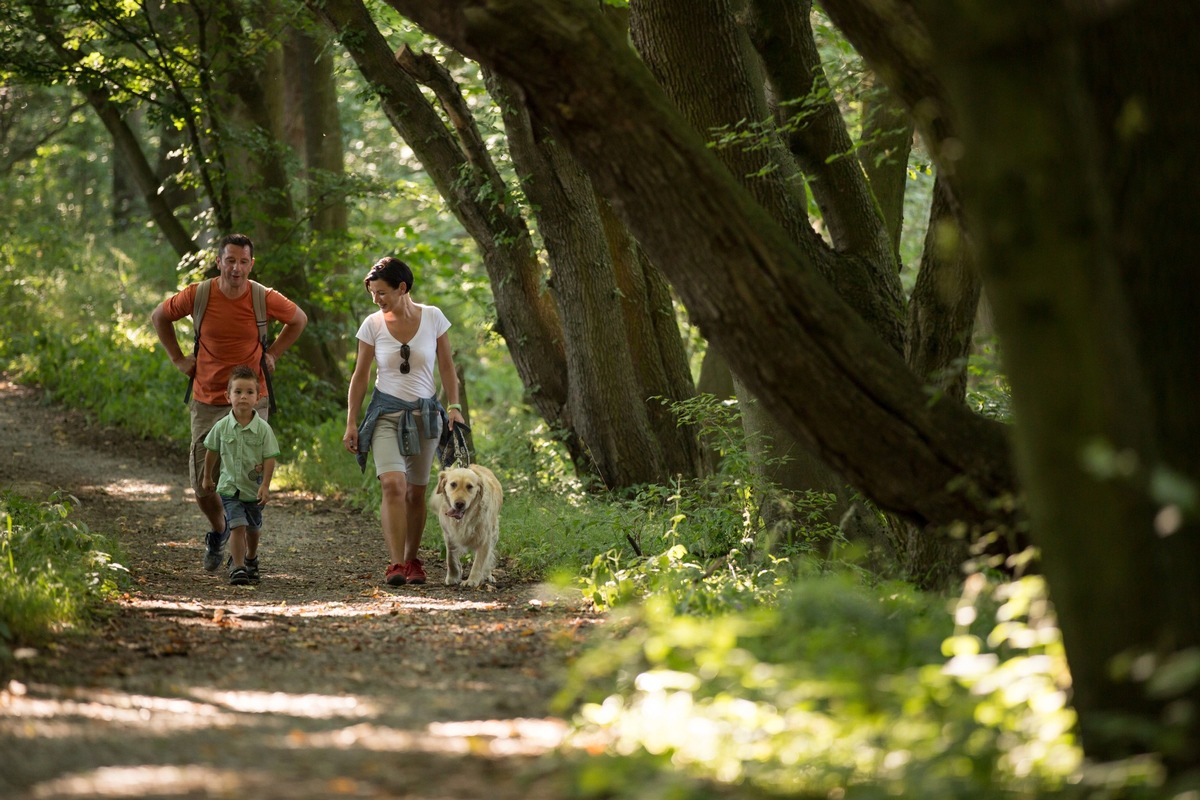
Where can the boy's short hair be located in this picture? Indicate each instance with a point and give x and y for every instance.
(241, 373)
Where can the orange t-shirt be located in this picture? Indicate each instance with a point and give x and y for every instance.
(228, 337)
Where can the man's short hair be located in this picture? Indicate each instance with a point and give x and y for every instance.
(236, 239)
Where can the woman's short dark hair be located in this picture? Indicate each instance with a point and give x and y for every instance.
(391, 270)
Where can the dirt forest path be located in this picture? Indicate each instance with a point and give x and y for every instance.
(319, 682)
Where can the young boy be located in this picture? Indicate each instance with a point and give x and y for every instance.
(244, 446)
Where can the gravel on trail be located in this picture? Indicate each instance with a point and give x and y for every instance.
(318, 682)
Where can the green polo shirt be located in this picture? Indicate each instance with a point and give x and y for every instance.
(243, 450)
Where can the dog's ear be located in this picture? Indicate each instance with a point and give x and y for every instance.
(441, 487)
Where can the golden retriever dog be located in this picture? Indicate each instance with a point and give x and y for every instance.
(467, 502)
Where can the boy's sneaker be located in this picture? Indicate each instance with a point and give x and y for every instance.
(251, 566)
(214, 549)
(414, 571)
(239, 576)
(394, 575)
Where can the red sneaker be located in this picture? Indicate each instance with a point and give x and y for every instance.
(414, 572)
(395, 574)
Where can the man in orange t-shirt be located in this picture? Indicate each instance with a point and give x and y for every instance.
(228, 337)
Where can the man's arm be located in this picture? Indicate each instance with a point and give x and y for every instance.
(287, 337)
(165, 329)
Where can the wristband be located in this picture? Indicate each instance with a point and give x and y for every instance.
(454, 406)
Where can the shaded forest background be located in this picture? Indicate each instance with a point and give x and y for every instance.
(727, 254)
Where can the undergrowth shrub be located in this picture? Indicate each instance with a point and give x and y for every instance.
(707, 544)
(54, 572)
(838, 690)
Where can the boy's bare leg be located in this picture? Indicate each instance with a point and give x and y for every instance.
(252, 542)
(237, 545)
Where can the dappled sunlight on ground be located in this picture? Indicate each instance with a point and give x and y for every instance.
(134, 489)
(135, 781)
(54, 713)
(249, 611)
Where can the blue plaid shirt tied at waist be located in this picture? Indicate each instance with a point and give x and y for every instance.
(432, 416)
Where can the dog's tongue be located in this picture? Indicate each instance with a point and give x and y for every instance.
(454, 512)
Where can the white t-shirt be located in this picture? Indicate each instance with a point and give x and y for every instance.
(422, 357)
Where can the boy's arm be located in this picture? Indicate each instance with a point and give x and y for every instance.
(264, 490)
(211, 458)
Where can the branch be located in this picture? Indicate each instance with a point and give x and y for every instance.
(425, 69)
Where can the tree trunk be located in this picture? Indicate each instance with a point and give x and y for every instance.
(1082, 217)
(261, 184)
(582, 378)
(945, 300)
(599, 279)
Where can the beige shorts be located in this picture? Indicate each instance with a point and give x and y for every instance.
(385, 449)
(204, 417)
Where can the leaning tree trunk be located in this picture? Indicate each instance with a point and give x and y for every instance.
(732, 264)
(621, 348)
(677, 39)
(454, 157)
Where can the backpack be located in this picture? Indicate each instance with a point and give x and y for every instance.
(258, 299)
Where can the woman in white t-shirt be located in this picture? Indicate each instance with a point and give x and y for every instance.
(404, 418)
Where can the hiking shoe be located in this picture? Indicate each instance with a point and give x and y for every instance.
(214, 549)
(239, 576)
(414, 572)
(395, 575)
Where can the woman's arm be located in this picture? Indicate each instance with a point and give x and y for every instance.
(357, 392)
(445, 361)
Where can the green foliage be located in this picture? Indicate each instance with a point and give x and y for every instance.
(988, 392)
(838, 688)
(54, 572)
(706, 543)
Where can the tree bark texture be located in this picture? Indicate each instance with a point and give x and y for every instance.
(1076, 156)
(605, 403)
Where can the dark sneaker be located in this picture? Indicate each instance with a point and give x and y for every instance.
(395, 575)
(239, 576)
(214, 549)
(414, 571)
(252, 567)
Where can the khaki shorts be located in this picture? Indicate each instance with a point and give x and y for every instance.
(385, 449)
(204, 417)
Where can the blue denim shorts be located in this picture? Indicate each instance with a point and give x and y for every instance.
(240, 512)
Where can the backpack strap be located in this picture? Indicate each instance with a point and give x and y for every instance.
(203, 289)
(258, 298)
